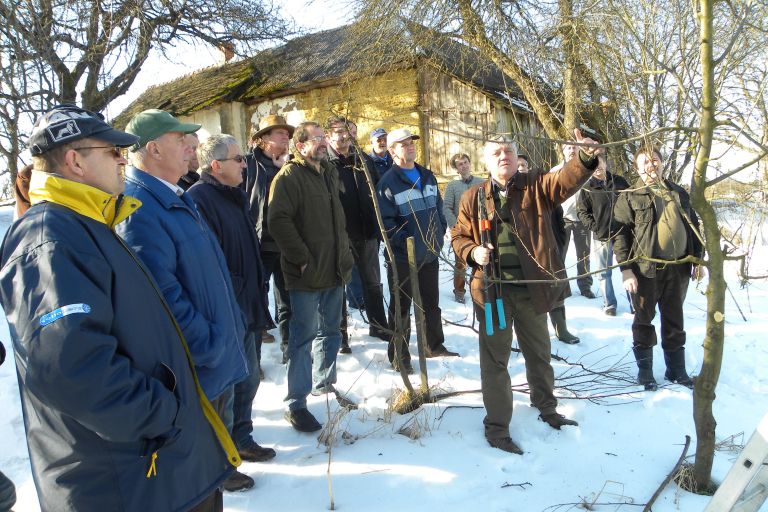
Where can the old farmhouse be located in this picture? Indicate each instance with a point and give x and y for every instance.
(448, 95)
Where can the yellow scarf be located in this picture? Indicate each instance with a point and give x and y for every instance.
(81, 198)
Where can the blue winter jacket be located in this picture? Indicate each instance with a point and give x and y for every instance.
(182, 253)
(103, 374)
(409, 211)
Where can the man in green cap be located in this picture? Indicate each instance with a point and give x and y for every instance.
(185, 258)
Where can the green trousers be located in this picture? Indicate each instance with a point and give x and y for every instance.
(533, 339)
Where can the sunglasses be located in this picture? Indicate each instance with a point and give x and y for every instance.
(114, 150)
(237, 158)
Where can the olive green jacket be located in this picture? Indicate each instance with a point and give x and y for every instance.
(306, 220)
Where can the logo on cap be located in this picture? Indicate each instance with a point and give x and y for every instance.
(63, 130)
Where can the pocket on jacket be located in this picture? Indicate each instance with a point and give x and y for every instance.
(643, 211)
(165, 375)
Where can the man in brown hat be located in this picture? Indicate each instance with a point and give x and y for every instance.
(269, 151)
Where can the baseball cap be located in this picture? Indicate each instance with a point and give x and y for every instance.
(67, 123)
(153, 123)
(378, 132)
(400, 135)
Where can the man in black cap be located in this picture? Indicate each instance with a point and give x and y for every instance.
(109, 396)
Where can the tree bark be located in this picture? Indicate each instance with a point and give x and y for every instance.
(704, 390)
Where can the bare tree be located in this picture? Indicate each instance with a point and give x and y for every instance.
(90, 52)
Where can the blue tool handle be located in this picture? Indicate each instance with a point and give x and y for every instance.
(500, 311)
(488, 319)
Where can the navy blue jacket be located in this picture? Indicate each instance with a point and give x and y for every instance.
(409, 211)
(226, 211)
(103, 374)
(257, 180)
(182, 253)
(382, 164)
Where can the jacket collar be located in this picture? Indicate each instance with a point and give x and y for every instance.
(233, 192)
(156, 188)
(81, 198)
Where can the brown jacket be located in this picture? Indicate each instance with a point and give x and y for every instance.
(532, 198)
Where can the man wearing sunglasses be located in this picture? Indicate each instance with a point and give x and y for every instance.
(185, 258)
(111, 409)
(224, 205)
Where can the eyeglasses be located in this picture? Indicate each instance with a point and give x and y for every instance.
(114, 150)
(237, 158)
(317, 138)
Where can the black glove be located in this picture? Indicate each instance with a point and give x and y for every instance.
(2, 353)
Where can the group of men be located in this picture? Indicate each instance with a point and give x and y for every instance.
(137, 294)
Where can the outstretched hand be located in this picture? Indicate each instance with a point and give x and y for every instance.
(590, 151)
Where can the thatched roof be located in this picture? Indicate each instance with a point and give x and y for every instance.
(323, 57)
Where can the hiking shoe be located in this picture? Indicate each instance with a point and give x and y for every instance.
(441, 351)
(302, 420)
(407, 365)
(610, 311)
(256, 453)
(588, 294)
(345, 348)
(506, 444)
(238, 482)
(459, 297)
(266, 337)
(556, 420)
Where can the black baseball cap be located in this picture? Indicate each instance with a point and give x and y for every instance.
(68, 123)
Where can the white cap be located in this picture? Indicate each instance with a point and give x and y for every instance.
(400, 135)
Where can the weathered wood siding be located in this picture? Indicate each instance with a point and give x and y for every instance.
(459, 118)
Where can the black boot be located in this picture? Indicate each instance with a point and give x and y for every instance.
(676, 368)
(557, 317)
(644, 358)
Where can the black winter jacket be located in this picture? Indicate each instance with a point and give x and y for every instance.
(103, 372)
(225, 209)
(355, 194)
(595, 204)
(636, 221)
(257, 180)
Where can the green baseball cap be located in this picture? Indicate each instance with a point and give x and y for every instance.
(153, 123)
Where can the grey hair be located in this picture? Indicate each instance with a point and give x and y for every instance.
(215, 147)
(499, 139)
(137, 156)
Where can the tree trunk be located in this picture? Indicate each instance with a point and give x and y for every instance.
(704, 391)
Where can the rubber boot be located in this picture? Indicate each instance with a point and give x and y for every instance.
(676, 368)
(557, 317)
(644, 358)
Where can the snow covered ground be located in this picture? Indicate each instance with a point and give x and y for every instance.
(622, 450)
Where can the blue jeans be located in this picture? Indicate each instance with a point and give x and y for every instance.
(604, 254)
(315, 321)
(245, 391)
